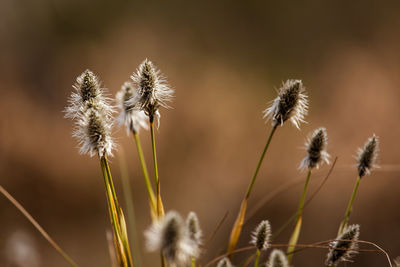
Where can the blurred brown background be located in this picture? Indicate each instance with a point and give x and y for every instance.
(225, 59)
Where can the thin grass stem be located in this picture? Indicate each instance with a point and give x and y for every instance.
(258, 253)
(145, 172)
(37, 226)
(349, 207)
(296, 232)
(160, 209)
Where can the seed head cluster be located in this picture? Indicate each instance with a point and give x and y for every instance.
(366, 159)
(262, 235)
(90, 110)
(170, 235)
(153, 90)
(290, 104)
(316, 150)
(132, 118)
(277, 259)
(344, 247)
(224, 262)
(194, 232)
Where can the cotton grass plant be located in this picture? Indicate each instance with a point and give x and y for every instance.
(179, 242)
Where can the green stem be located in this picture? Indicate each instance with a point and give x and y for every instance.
(193, 262)
(144, 169)
(296, 231)
(153, 146)
(116, 215)
(260, 162)
(349, 207)
(37, 226)
(257, 258)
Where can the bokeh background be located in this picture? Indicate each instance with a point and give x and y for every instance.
(224, 59)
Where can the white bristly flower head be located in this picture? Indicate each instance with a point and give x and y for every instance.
(169, 235)
(261, 235)
(90, 110)
(153, 90)
(367, 156)
(344, 247)
(277, 258)
(316, 150)
(290, 104)
(132, 118)
(225, 262)
(194, 232)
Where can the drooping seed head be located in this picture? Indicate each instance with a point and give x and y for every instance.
(290, 104)
(344, 247)
(92, 114)
(277, 258)
(194, 232)
(225, 262)
(153, 90)
(261, 235)
(170, 236)
(316, 150)
(366, 159)
(132, 118)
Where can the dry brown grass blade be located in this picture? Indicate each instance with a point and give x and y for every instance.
(237, 228)
(37, 225)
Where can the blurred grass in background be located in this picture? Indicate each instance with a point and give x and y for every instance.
(224, 60)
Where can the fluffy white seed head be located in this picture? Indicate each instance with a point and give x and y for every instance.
(90, 110)
(169, 235)
(316, 146)
(194, 232)
(290, 104)
(132, 118)
(367, 156)
(153, 90)
(225, 262)
(277, 258)
(262, 235)
(344, 247)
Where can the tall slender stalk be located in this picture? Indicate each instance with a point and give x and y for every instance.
(296, 232)
(349, 207)
(142, 160)
(116, 216)
(258, 253)
(160, 208)
(238, 225)
(37, 226)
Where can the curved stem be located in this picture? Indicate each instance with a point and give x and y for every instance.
(349, 207)
(37, 226)
(249, 189)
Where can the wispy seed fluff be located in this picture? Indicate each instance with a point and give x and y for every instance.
(344, 247)
(277, 258)
(153, 90)
(262, 235)
(366, 158)
(132, 118)
(225, 262)
(92, 114)
(290, 104)
(316, 150)
(194, 232)
(169, 235)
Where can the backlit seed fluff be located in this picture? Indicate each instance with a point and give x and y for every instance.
(344, 247)
(170, 236)
(88, 93)
(132, 118)
(261, 235)
(277, 258)
(225, 262)
(366, 158)
(316, 150)
(153, 90)
(92, 114)
(397, 261)
(194, 232)
(290, 104)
